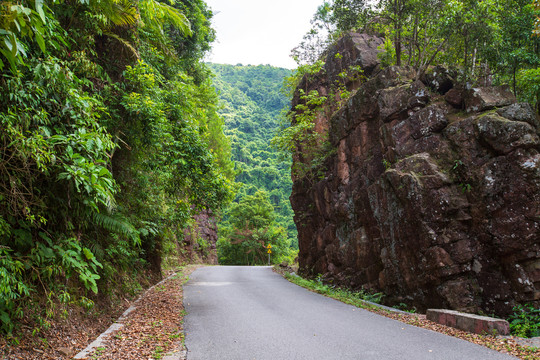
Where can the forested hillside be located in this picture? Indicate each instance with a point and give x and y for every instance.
(110, 142)
(251, 102)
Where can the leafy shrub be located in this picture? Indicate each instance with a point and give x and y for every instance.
(12, 288)
(525, 321)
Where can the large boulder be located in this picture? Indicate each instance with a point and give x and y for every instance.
(433, 206)
(486, 98)
(354, 49)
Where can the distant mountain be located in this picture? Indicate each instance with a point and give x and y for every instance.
(251, 104)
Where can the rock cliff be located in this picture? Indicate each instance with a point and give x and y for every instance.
(201, 237)
(432, 192)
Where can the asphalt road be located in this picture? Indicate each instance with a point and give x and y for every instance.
(243, 313)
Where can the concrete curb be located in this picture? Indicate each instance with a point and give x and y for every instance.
(475, 324)
(102, 339)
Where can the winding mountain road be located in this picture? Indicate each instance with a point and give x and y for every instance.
(243, 313)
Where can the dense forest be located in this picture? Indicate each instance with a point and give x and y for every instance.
(252, 105)
(110, 143)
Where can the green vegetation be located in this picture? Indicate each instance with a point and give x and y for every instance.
(252, 229)
(356, 298)
(478, 41)
(252, 103)
(110, 142)
(525, 321)
(298, 135)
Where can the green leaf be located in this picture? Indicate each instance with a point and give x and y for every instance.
(40, 41)
(9, 45)
(88, 254)
(39, 9)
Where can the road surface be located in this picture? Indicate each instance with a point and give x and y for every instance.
(244, 313)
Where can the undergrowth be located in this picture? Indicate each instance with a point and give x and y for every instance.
(356, 298)
(525, 321)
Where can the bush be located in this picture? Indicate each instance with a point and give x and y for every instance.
(525, 321)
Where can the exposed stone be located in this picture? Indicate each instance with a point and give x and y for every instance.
(396, 102)
(354, 50)
(428, 121)
(520, 112)
(486, 98)
(504, 136)
(431, 207)
(454, 97)
(201, 238)
(439, 79)
(469, 322)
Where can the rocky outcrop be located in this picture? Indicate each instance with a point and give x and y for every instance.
(432, 195)
(201, 237)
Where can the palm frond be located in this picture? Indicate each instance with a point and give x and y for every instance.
(117, 12)
(175, 18)
(155, 14)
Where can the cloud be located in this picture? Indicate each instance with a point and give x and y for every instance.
(255, 32)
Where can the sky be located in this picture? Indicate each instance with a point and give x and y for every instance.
(254, 32)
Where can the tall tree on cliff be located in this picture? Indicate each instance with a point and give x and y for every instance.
(396, 12)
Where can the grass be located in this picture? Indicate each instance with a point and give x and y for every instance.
(98, 352)
(355, 298)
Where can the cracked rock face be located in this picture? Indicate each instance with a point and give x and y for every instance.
(201, 238)
(432, 205)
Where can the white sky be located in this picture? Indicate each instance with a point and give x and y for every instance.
(254, 32)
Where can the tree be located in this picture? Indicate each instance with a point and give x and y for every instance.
(349, 14)
(516, 47)
(252, 228)
(111, 141)
(536, 5)
(396, 11)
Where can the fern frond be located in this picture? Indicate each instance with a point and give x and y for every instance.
(124, 42)
(118, 225)
(97, 250)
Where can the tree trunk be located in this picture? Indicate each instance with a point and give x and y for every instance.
(514, 80)
(397, 45)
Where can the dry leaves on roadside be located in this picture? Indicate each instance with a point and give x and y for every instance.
(505, 345)
(63, 339)
(154, 328)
